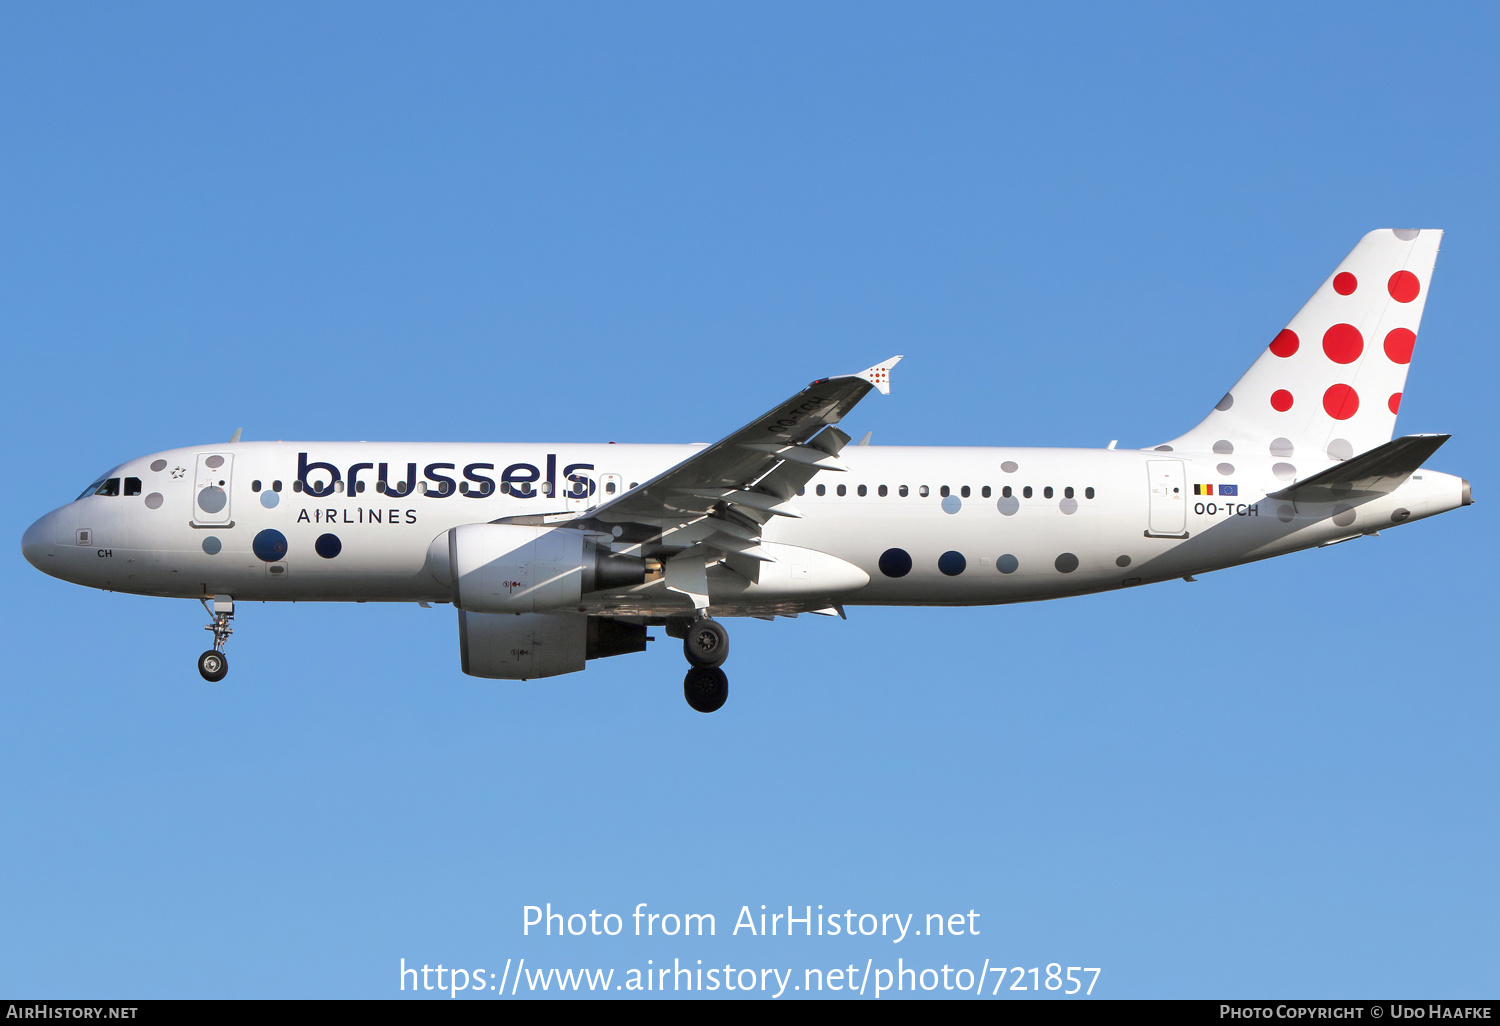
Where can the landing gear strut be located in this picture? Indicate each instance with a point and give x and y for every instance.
(705, 642)
(214, 664)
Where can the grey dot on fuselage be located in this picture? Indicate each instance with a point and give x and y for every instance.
(1284, 471)
(157, 466)
(214, 462)
(1163, 448)
(154, 500)
(212, 545)
(1007, 564)
(1225, 403)
(212, 500)
(1343, 515)
(1282, 447)
(1010, 466)
(1008, 505)
(1123, 561)
(1066, 563)
(1340, 449)
(1285, 514)
(952, 504)
(1226, 469)
(1224, 447)
(1069, 506)
(269, 499)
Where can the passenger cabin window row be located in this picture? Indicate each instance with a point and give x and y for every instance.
(944, 491)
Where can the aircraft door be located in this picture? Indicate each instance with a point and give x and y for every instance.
(1168, 498)
(211, 490)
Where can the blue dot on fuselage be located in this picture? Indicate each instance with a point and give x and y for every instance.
(895, 562)
(270, 545)
(328, 545)
(952, 563)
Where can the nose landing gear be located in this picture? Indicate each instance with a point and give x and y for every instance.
(705, 642)
(214, 664)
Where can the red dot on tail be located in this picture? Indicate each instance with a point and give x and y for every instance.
(1281, 400)
(1395, 403)
(1341, 402)
(1404, 286)
(1398, 345)
(1343, 343)
(1345, 283)
(1286, 343)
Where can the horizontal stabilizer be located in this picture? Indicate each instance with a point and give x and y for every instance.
(1377, 472)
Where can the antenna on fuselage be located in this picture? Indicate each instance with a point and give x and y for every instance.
(236, 436)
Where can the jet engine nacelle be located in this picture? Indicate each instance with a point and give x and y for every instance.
(507, 568)
(505, 646)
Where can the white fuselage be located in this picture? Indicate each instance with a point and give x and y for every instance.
(976, 525)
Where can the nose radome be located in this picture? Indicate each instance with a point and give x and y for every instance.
(40, 541)
(31, 543)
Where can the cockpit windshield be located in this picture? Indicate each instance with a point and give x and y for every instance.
(91, 489)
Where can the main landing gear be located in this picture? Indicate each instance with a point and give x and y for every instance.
(705, 642)
(214, 664)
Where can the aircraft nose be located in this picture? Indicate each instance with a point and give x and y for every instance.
(40, 541)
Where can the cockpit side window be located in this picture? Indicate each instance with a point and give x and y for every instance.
(132, 486)
(110, 487)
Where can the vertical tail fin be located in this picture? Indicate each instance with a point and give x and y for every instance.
(1329, 385)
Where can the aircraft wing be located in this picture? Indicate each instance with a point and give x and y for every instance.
(1377, 472)
(714, 503)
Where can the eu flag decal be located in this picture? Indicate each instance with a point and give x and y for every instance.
(1228, 489)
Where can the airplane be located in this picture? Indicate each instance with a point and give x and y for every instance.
(554, 555)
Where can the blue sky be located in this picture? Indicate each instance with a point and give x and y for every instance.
(650, 223)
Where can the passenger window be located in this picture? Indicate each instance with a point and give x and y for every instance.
(1047, 492)
(1088, 493)
(822, 489)
(504, 487)
(275, 486)
(359, 486)
(255, 486)
(1026, 492)
(922, 491)
(633, 484)
(1068, 492)
(943, 491)
(609, 488)
(802, 490)
(964, 492)
(132, 486)
(883, 491)
(843, 490)
(1005, 491)
(863, 491)
(297, 485)
(984, 493)
(110, 487)
(904, 491)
